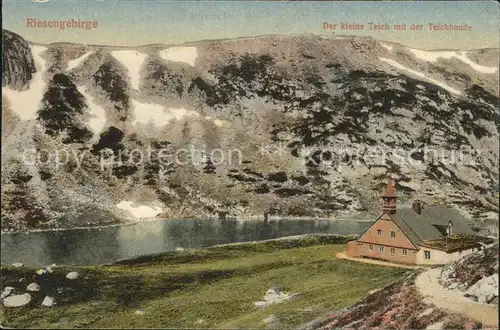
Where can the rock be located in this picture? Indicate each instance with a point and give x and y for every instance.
(139, 312)
(485, 289)
(41, 271)
(199, 322)
(17, 264)
(436, 326)
(63, 320)
(17, 300)
(34, 287)
(48, 301)
(72, 275)
(275, 296)
(272, 322)
(18, 65)
(260, 304)
(426, 312)
(6, 292)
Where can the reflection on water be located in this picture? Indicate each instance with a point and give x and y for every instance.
(104, 245)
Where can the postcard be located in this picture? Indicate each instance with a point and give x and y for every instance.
(250, 164)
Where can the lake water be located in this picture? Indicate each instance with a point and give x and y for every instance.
(104, 245)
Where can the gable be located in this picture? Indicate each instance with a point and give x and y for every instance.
(386, 225)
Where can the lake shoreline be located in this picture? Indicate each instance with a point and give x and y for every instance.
(131, 223)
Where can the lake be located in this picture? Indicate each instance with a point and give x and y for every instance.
(93, 246)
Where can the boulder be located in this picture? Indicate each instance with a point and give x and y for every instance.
(48, 301)
(275, 296)
(34, 287)
(436, 326)
(72, 275)
(6, 292)
(17, 300)
(485, 289)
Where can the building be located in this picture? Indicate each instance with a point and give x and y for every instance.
(418, 235)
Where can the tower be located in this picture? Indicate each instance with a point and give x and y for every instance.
(389, 197)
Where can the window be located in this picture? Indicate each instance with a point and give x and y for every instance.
(382, 250)
(393, 250)
(370, 247)
(404, 252)
(379, 232)
(393, 234)
(427, 254)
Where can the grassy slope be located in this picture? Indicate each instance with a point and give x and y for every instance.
(213, 287)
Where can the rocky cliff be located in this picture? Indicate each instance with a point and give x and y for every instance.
(474, 276)
(17, 61)
(278, 125)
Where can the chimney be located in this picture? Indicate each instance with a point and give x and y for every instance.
(389, 197)
(417, 206)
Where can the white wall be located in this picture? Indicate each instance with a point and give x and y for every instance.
(439, 257)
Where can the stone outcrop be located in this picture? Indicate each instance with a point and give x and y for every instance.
(474, 276)
(18, 66)
(280, 126)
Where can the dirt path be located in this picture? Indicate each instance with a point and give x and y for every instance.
(428, 285)
(343, 255)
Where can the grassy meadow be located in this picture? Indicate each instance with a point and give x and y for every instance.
(214, 287)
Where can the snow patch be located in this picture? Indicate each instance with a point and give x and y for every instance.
(180, 54)
(26, 103)
(139, 211)
(434, 56)
(74, 63)
(98, 114)
(132, 60)
(388, 47)
(421, 75)
(146, 113)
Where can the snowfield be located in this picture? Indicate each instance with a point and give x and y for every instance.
(77, 61)
(132, 60)
(434, 56)
(420, 74)
(26, 103)
(98, 119)
(156, 114)
(180, 54)
(388, 47)
(139, 211)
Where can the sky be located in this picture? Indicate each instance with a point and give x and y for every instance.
(141, 22)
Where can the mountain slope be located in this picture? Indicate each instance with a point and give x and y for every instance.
(291, 126)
